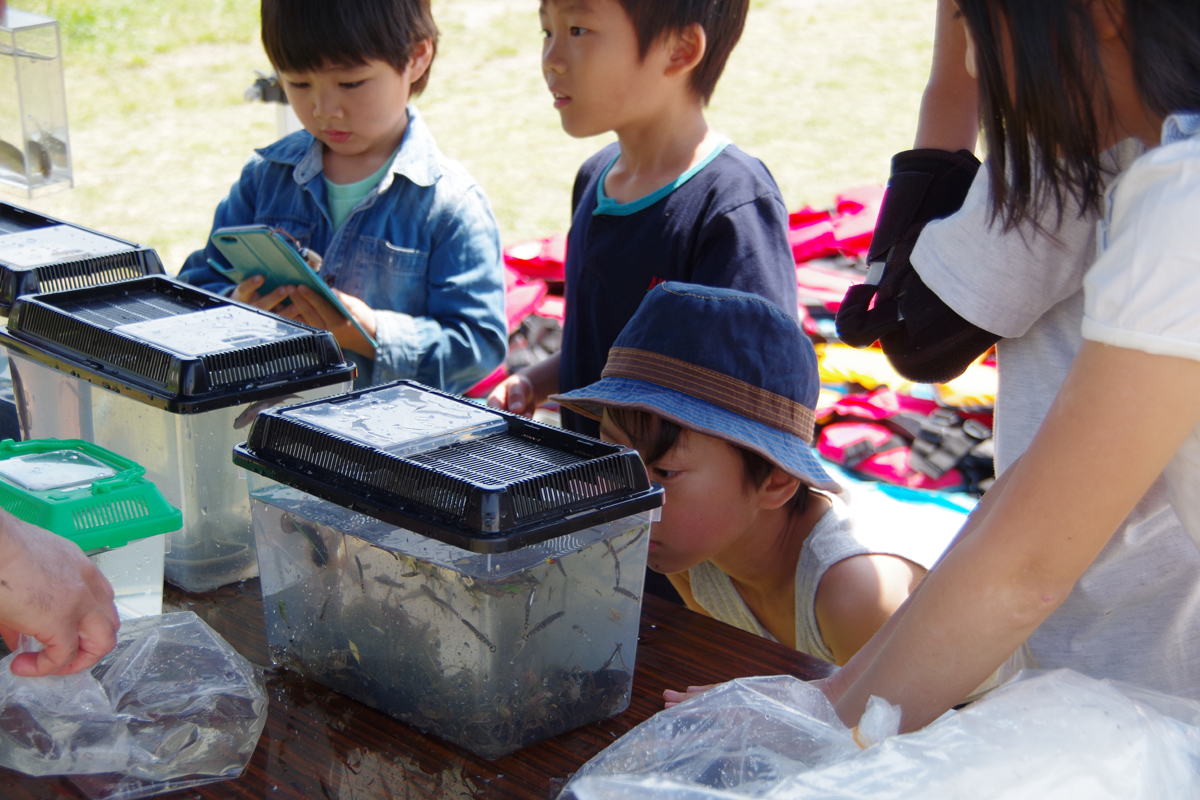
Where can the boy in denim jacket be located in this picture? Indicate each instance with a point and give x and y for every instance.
(408, 240)
(671, 200)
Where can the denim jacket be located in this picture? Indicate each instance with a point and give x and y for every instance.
(422, 249)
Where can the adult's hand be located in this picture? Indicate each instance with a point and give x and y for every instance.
(51, 591)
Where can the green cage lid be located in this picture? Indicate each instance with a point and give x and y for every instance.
(83, 492)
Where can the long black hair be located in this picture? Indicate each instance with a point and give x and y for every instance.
(1044, 115)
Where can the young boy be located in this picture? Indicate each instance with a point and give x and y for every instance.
(408, 239)
(671, 200)
(715, 389)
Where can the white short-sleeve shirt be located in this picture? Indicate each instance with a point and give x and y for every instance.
(1143, 293)
(1134, 615)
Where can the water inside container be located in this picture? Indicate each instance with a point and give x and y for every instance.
(60, 469)
(402, 419)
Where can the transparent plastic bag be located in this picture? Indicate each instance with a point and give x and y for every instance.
(747, 735)
(1054, 735)
(172, 706)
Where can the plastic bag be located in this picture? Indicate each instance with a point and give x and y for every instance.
(172, 706)
(748, 734)
(1046, 735)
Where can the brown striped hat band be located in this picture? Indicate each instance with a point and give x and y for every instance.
(731, 394)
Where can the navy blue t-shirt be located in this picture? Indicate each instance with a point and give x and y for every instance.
(725, 226)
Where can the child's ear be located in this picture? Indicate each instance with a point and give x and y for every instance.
(687, 49)
(777, 490)
(420, 60)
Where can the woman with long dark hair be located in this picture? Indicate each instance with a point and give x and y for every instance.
(1062, 82)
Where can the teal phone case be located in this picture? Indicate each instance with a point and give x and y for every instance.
(258, 250)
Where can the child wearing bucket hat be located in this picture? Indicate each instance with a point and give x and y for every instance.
(716, 390)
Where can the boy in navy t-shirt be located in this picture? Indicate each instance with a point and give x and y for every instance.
(671, 200)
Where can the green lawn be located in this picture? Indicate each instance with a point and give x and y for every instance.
(823, 91)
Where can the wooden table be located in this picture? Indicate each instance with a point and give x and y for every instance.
(319, 744)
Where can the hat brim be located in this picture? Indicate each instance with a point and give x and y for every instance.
(785, 450)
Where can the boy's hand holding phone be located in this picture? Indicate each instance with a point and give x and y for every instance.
(247, 292)
(312, 309)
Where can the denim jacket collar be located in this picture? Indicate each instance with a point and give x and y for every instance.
(417, 158)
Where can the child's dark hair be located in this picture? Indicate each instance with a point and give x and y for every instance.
(1044, 137)
(303, 35)
(655, 436)
(722, 21)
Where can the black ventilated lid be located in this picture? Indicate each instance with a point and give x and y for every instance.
(447, 468)
(43, 254)
(172, 345)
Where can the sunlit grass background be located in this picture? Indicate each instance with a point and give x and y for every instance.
(823, 91)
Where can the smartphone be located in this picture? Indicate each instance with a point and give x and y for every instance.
(258, 250)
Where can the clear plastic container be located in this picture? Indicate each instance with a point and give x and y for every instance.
(102, 502)
(170, 377)
(472, 573)
(491, 651)
(35, 151)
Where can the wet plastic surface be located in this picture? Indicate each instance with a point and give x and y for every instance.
(172, 705)
(402, 419)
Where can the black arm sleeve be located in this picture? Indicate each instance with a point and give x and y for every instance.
(923, 338)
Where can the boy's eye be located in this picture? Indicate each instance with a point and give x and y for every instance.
(352, 84)
(575, 30)
(663, 474)
(545, 33)
(297, 84)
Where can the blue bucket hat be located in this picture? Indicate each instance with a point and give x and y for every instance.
(720, 362)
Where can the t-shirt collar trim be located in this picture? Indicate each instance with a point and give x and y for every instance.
(605, 205)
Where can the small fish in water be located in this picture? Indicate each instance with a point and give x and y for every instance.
(252, 410)
(626, 592)
(388, 582)
(354, 650)
(55, 147)
(362, 582)
(541, 626)
(478, 634)
(11, 159)
(631, 542)
(324, 607)
(439, 601)
(40, 157)
(558, 564)
(283, 612)
(529, 605)
(320, 553)
(615, 654)
(616, 615)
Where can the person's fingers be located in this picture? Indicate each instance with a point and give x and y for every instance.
(674, 698)
(328, 315)
(271, 301)
(306, 311)
(59, 649)
(247, 290)
(97, 636)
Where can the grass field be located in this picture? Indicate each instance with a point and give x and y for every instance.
(823, 91)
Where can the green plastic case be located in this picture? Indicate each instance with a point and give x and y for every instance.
(83, 492)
